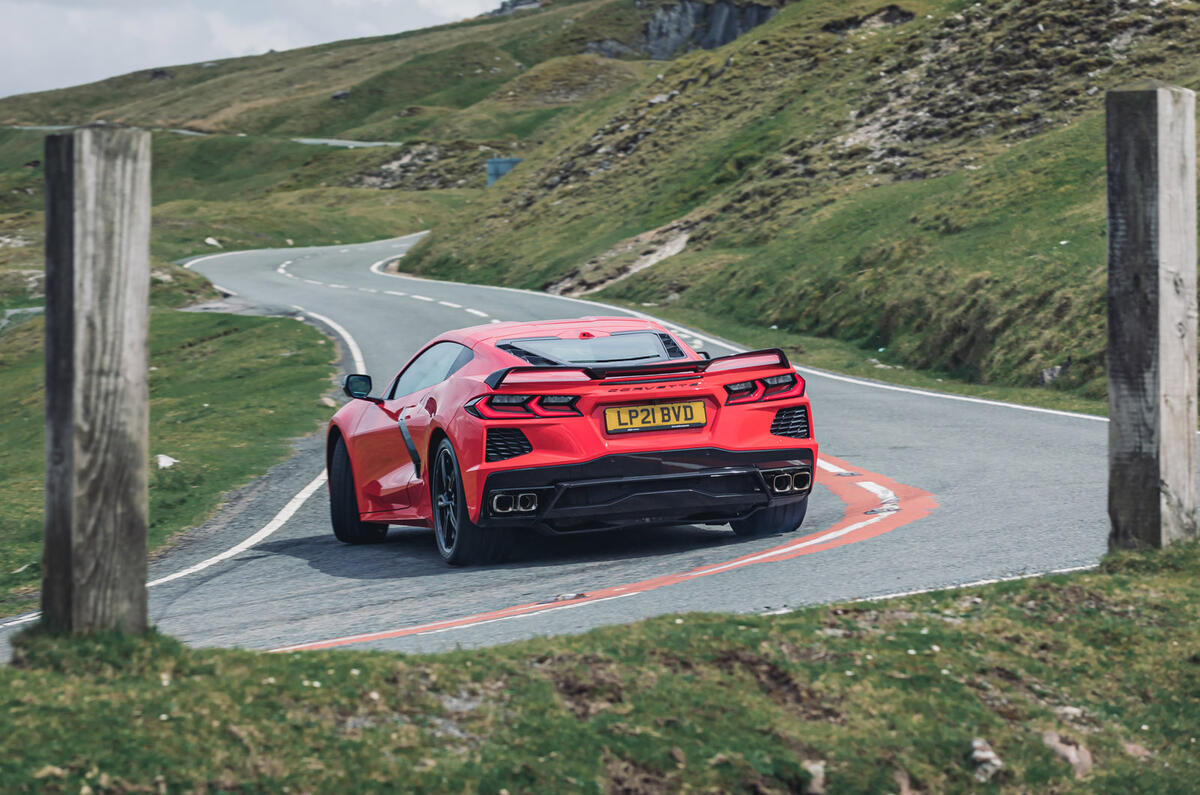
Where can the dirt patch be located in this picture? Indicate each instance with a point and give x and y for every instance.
(588, 685)
(780, 685)
(630, 778)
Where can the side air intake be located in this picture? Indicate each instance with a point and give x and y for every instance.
(791, 422)
(503, 443)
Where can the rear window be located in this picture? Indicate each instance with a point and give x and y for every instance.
(635, 347)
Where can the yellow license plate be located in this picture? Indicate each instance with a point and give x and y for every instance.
(658, 416)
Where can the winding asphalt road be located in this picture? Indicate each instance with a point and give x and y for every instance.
(919, 491)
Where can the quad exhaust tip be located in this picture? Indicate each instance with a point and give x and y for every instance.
(790, 481)
(504, 502)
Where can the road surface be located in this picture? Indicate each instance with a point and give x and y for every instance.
(917, 491)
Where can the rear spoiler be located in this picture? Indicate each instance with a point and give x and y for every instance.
(768, 357)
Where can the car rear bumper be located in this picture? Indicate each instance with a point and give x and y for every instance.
(666, 487)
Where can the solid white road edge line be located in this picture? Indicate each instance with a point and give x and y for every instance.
(955, 587)
(278, 521)
(360, 365)
(21, 620)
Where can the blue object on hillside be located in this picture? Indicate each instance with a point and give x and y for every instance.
(497, 167)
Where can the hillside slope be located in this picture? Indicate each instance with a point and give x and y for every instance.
(924, 179)
(448, 98)
(927, 179)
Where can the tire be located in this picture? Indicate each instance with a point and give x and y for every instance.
(776, 519)
(343, 503)
(460, 542)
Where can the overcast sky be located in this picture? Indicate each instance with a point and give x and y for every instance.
(56, 43)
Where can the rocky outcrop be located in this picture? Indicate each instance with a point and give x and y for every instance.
(688, 25)
(429, 166)
(625, 259)
(888, 15)
(509, 6)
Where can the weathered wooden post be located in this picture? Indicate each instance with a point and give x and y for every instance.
(97, 401)
(1151, 315)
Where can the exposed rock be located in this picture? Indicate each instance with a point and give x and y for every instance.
(161, 74)
(688, 25)
(429, 166)
(987, 762)
(1137, 751)
(509, 6)
(338, 96)
(888, 15)
(625, 259)
(816, 782)
(33, 164)
(1070, 750)
(610, 48)
(1052, 374)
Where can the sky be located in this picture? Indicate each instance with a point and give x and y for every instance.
(56, 43)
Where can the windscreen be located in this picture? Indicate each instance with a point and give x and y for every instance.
(638, 347)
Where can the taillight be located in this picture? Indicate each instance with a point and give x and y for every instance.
(507, 407)
(772, 388)
(744, 392)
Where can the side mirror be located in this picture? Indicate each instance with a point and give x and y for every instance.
(357, 385)
(704, 354)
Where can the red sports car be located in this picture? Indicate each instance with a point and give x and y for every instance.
(570, 426)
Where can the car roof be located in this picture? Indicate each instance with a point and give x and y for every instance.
(492, 332)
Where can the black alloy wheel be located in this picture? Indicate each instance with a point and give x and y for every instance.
(460, 541)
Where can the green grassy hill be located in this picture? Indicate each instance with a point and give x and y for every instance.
(932, 185)
(925, 180)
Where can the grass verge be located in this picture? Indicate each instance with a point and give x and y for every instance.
(847, 358)
(1100, 667)
(227, 393)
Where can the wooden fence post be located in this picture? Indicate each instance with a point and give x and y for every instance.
(97, 400)
(1151, 130)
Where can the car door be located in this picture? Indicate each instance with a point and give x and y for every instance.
(389, 458)
(420, 408)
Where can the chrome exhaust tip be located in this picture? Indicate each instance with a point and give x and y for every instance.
(502, 503)
(527, 502)
(781, 483)
(801, 480)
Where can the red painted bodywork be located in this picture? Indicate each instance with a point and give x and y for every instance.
(391, 489)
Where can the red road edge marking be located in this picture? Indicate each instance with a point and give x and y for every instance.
(855, 525)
